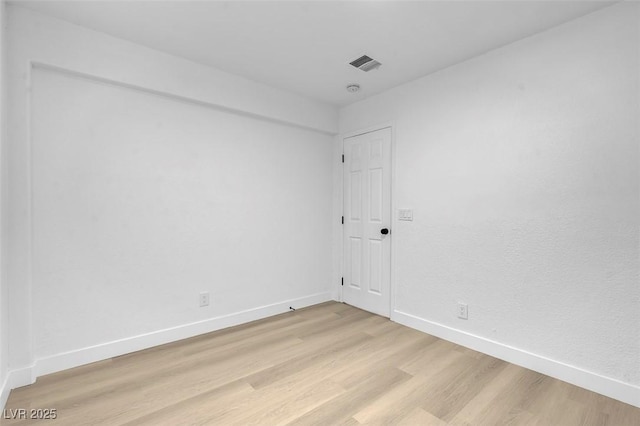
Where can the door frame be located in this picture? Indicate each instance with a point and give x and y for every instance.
(392, 249)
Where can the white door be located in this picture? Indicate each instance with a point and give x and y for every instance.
(367, 221)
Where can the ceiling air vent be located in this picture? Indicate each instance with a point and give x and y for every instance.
(365, 63)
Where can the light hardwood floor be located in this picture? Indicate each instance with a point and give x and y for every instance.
(328, 364)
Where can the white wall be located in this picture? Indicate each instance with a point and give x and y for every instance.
(4, 331)
(139, 180)
(521, 166)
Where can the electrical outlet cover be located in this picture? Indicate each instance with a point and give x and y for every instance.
(463, 311)
(204, 299)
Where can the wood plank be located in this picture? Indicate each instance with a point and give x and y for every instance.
(327, 364)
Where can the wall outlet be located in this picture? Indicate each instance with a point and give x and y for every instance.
(204, 299)
(463, 311)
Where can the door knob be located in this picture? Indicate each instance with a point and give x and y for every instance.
(384, 231)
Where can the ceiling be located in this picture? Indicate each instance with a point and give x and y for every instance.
(306, 46)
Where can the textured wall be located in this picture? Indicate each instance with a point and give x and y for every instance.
(4, 338)
(140, 203)
(521, 166)
(125, 203)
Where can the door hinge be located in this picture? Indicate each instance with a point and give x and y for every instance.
(342, 281)
(343, 220)
(343, 158)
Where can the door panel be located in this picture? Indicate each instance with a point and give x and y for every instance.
(356, 262)
(375, 266)
(375, 189)
(367, 189)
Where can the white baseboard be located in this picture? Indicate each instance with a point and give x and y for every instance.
(4, 391)
(64, 361)
(607, 386)
(15, 379)
(612, 388)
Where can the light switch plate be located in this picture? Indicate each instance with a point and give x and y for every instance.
(405, 214)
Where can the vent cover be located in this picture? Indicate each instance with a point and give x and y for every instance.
(365, 63)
